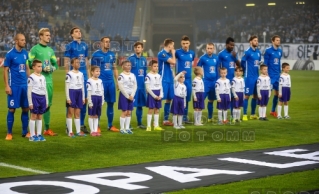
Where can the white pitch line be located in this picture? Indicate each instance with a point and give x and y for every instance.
(23, 168)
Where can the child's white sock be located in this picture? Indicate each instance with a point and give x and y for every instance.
(91, 125)
(175, 120)
(195, 117)
(122, 123)
(39, 127)
(32, 127)
(225, 114)
(149, 120)
(180, 120)
(69, 124)
(77, 125)
(264, 111)
(127, 122)
(199, 117)
(95, 124)
(220, 115)
(156, 117)
(286, 110)
(279, 110)
(234, 113)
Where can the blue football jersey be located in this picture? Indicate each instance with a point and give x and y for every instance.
(184, 62)
(272, 59)
(250, 62)
(228, 61)
(79, 50)
(139, 68)
(164, 68)
(105, 60)
(210, 67)
(16, 61)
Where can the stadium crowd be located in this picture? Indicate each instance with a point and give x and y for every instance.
(295, 24)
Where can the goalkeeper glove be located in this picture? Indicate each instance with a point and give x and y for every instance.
(47, 68)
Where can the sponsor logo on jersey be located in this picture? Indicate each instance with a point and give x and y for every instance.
(231, 64)
(256, 63)
(141, 72)
(21, 68)
(187, 64)
(107, 66)
(212, 69)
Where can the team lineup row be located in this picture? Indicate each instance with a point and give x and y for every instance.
(17, 71)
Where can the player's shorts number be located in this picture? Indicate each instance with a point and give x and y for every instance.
(11, 102)
(247, 90)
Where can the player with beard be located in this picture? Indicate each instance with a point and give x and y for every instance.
(272, 58)
(139, 68)
(250, 64)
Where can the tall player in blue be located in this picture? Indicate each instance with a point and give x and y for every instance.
(78, 49)
(139, 69)
(105, 59)
(209, 62)
(228, 59)
(166, 62)
(272, 58)
(250, 64)
(184, 59)
(15, 75)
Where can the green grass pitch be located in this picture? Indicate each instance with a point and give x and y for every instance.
(60, 154)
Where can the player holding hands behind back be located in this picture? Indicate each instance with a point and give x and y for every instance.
(127, 86)
(95, 99)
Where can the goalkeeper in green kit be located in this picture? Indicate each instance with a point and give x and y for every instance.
(45, 54)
